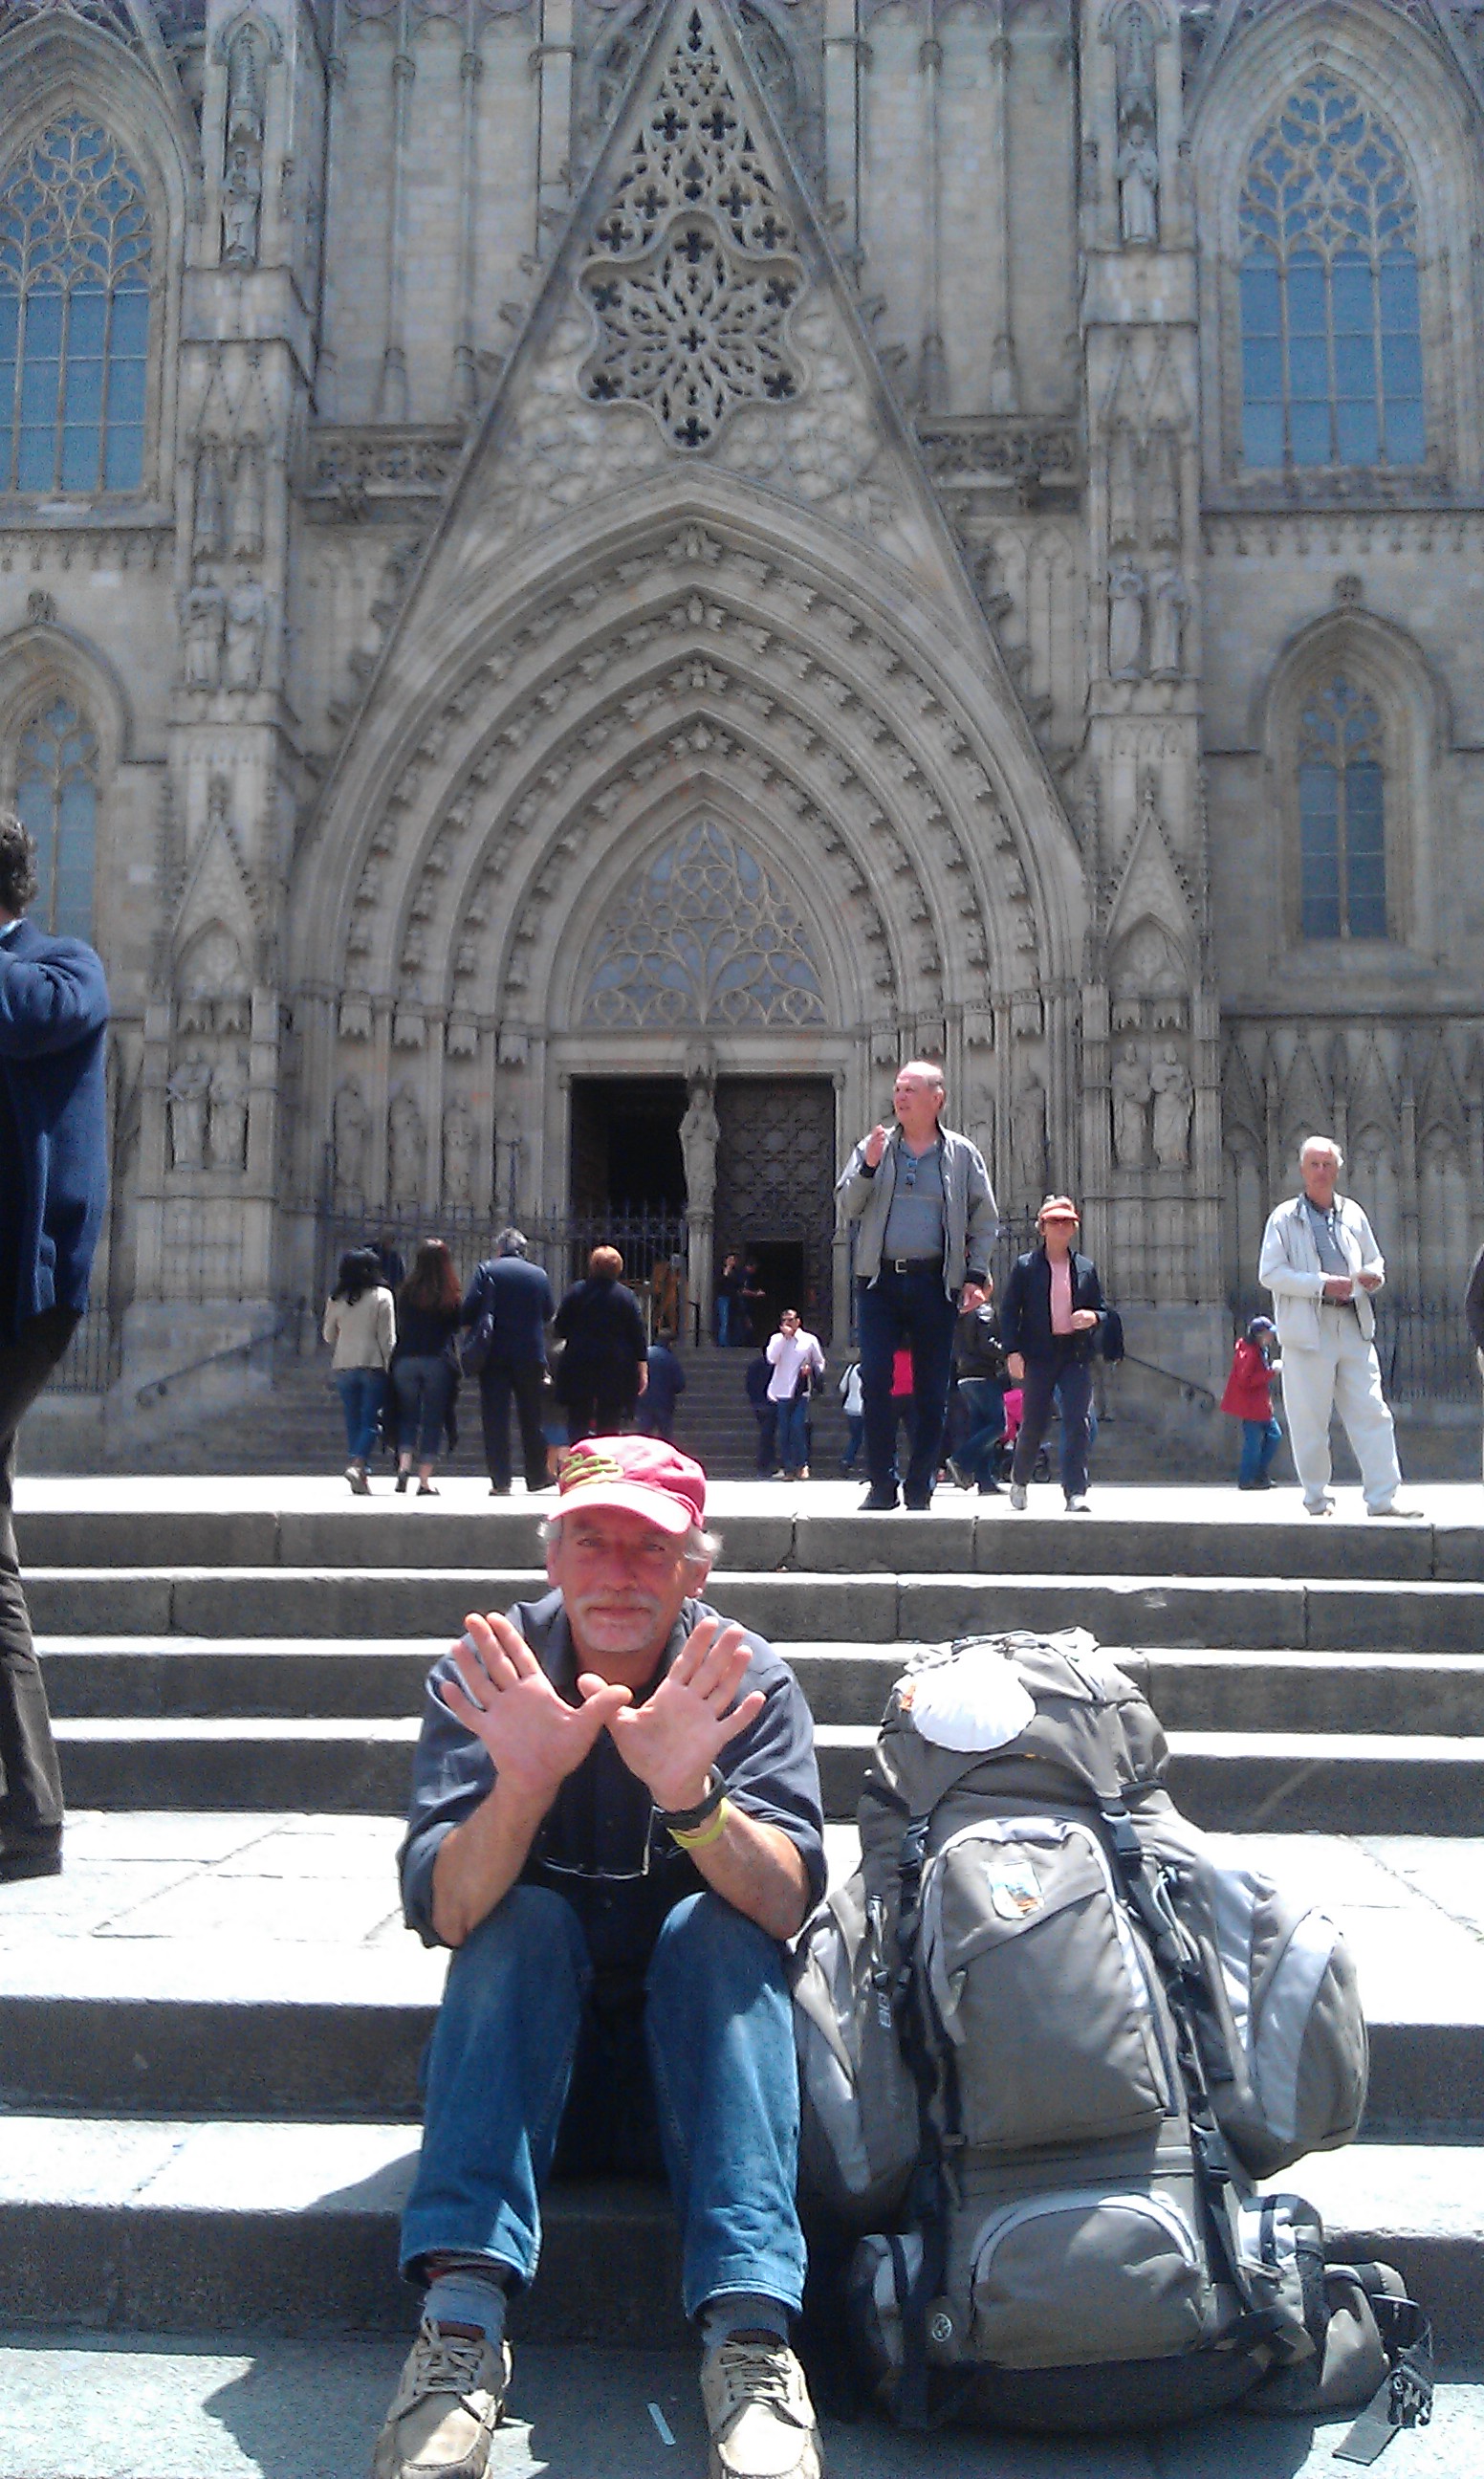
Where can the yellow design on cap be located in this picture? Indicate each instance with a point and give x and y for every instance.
(583, 1465)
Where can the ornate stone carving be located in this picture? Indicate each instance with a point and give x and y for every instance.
(406, 1149)
(1137, 165)
(203, 614)
(1171, 600)
(350, 1124)
(185, 1097)
(40, 608)
(247, 633)
(458, 1154)
(700, 1134)
(1132, 1092)
(228, 1119)
(241, 181)
(1174, 1100)
(705, 936)
(1126, 622)
(1027, 1133)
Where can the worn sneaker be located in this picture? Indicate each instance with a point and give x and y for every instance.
(1017, 1496)
(1318, 1505)
(758, 2411)
(1077, 1506)
(1398, 1507)
(450, 2400)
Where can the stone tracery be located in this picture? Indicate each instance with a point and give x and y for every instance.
(704, 935)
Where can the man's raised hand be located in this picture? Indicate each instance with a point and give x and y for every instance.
(671, 1741)
(504, 1696)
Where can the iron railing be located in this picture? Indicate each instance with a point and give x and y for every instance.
(288, 1320)
(1424, 1346)
(92, 1359)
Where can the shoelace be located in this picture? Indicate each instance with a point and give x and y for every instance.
(446, 2363)
(754, 2373)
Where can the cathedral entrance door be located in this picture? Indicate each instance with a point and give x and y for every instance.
(627, 1180)
(775, 1190)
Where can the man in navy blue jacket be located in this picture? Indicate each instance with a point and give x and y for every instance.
(52, 1183)
(517, 1299)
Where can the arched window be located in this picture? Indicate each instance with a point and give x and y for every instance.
(1331, 346)
(57, 797)
(1342, 815)
(74, 315)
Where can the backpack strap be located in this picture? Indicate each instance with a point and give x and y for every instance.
(927, 2205)
(1405, 2398)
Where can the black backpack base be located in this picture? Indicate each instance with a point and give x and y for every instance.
(1117, 2400)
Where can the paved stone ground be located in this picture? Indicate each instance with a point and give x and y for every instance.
(168, 2409)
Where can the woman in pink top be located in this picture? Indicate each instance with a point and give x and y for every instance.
(1049, 1323)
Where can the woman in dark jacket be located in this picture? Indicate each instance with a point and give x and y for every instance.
(1049, 1321)
(605, 1354)
(424, 1371)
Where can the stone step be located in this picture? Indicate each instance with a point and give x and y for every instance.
(805, 1527)
(1232, 1780)
(171, 2223)
(1198, 1613)
(207, 1677)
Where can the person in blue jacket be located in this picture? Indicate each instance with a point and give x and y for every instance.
(53, 1186)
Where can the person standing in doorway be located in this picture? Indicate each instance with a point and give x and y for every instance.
(1049, 1325)
(1321, 1264)
(53, 1186)
(729, 1308)
(605, 1356)
(516, 1298)
(360, 1326)
(927, 1217)
(796, 1361)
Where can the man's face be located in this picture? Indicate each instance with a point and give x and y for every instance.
(1320, 1170)
(621, 1582)
(788, 1323)
(916, 1099)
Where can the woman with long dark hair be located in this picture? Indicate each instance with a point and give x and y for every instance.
(360, 1324)
(425, 1370)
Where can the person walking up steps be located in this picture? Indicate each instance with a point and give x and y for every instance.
(360, 1324)
(509, 1306)
(796, 1361)
(425, 1372)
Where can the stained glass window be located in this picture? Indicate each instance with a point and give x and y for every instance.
(57, 797)
(74, 315)
(1331, 335)
(1342, 816)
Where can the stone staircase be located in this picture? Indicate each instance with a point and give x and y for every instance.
(210, 2026)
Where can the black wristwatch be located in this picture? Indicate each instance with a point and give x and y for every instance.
(684, 1820)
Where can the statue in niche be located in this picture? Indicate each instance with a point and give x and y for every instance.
(1165, 490)
(1028, 1132)
(1139, 183)
(1126, 622)
(351, 1135)
(699, 1136)
(247, 632)
(185, 1097)
(1174, 1100)
(1132, 1092)
(458, 1155)
(242, 191)
(228, 1128)
(247, 503)
(406, 1150)
(1123, 488)
(208, 527)
(202, 611)
(1166, 628)
(1135, 66)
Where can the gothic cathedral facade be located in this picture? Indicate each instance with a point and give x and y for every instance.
(551, 546)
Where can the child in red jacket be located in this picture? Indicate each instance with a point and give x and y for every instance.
(1248, 1398)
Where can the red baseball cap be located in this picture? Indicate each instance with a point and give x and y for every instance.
(640, 1476)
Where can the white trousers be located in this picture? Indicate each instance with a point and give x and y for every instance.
(1344, 1376)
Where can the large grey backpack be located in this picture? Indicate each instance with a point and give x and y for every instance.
(1046, 2044)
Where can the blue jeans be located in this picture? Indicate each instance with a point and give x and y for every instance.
(793, 1433)
(915, 1310)
(718, 2023)
(724, 1308)
(855, 1433)
(984, 1405)
(362, 1393)
(424, 1386)
(1260, 1442)
(1070, 1381)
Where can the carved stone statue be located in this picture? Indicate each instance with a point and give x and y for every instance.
(1131, 1094)
(208, 525)
(1166, 627)
(1028, 1132)
(187, 1094)
(1165, 490)
(247, 503)
(407, 1149)
(242, 191)
(1139, 183)
(202, 610)
(246, 631)
(1126, 622)
(458, 1155)
(699, 1136)
(1175, 1099)
(1136, 96)
(352, 1135)
(229, 1114)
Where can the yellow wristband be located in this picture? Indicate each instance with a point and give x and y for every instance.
(711, 1831)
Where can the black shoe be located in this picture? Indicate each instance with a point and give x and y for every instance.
(534, 1488)
(402, 1478)
(877, 1501)
(43, 1859)
(500, 1489)
(915, 1503)
(990, 1489)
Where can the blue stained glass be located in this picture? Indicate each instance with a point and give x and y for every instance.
(123, 457)
(1261, 309)
(80, 459)
(10, 323)
(1262, 362)
(1353, 297)
(36, 466)
(1311, 434)
(130, 321)
(40, 388)
(1399, 308)
(1261, 434)
(125, 392)
(1309, 368)
(87, 318)
(43, 322)
(1358, 432)
(1405, 441)
(1306, 295)
(82, 395)
(1401, 365)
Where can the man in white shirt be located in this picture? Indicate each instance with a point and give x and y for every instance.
(796, 1360)
(1321, 1264)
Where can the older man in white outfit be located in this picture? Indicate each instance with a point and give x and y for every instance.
(1321, 1264)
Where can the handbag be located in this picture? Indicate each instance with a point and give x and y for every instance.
(478, 1344)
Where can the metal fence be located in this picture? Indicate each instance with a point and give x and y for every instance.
(645, 1237)
(1422, 1345)
(92, 1359)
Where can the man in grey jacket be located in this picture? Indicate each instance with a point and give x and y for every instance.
(927, 1216)
(1321, 1264)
